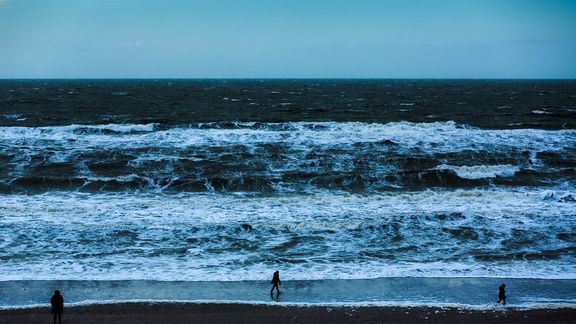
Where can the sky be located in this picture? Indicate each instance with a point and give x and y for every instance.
(288, 39)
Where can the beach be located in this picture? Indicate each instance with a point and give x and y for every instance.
(247, 313)
(384, 300)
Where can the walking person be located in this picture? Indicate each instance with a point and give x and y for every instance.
(57, 302)
(275, 282)
(502, 294)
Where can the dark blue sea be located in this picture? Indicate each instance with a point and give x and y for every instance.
(229, 180)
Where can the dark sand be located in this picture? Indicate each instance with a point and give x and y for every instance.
(240, 313)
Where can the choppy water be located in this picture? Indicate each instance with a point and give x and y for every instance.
(228, 180)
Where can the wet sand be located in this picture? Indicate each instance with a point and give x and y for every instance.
(242, 313)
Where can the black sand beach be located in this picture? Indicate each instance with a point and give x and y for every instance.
(242, 313)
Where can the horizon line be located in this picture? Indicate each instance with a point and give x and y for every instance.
(280, 78)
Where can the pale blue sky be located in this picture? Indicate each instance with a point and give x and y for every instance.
(288, 38)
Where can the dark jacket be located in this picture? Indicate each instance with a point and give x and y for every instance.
(275, 279)
(57, 302)
(501, 292)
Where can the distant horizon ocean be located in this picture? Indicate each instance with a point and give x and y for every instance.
(211, 184)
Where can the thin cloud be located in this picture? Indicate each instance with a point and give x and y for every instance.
(3, 2)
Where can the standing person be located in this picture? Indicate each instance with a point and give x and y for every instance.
(57, 302)
(502, 294)
(275, 282)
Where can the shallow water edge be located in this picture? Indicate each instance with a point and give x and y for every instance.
(461, 292)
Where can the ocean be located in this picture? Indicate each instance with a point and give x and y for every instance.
(226, 181)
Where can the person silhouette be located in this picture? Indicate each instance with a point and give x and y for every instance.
(57, 302)
(275, 282)
(502, 294)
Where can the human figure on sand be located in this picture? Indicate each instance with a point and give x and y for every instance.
(275, 282)
(502, 294)
(57, 302)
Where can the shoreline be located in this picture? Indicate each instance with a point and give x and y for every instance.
(471, 293)
(276, 303)
(181, 312)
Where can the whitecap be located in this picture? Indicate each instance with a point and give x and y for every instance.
(482, 171)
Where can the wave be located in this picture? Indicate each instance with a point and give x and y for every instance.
(285, 182)
(110, 129)
(522, 306)
(281, 157)
(482, 171)
(220, 237)
(438, 136)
